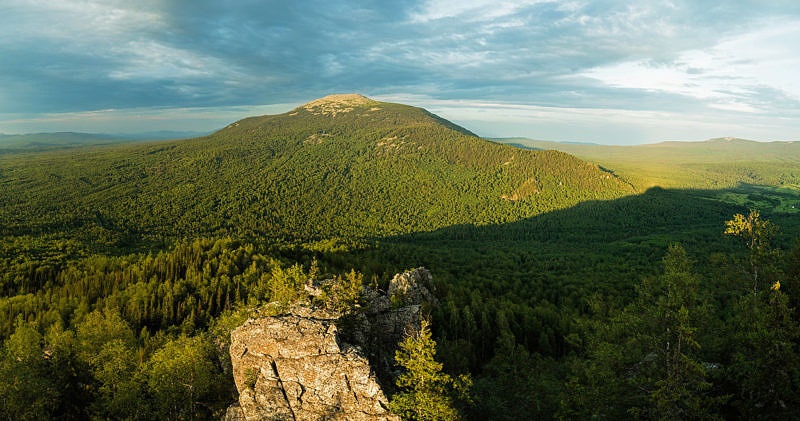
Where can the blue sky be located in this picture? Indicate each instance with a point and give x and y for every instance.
(600, 71)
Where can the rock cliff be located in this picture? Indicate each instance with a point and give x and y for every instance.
(311, 364)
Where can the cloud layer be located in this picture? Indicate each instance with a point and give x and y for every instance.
(572, 70)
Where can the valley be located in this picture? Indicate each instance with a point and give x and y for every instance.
(713, 164)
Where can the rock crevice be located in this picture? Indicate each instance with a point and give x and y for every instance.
(298, 366)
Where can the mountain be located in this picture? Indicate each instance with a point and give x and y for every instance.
(714, 163)
(343, 165)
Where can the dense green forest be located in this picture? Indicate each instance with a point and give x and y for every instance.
(379, 169)
(565, 290)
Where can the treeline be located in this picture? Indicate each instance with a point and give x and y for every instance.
(186, 286)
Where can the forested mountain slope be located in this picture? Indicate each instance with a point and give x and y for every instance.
(339, 166)
(715, 163)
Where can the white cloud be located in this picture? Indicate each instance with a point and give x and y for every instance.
(120, 32)
(735, 106)
(732, 75)
(150, 60)
(79, 22)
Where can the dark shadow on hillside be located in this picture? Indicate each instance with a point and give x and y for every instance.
(594, 246)
(657, 211)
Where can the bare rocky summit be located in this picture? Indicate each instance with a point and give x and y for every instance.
(335, 104)
(313, 364)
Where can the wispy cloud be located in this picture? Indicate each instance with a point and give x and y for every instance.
(725, 60)
(469, 10)
(730, 75)
(616, 125)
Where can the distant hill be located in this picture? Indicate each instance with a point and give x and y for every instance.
(161, 135)
(40, 141)
(714, 163)
(59, 139)
(338, 166)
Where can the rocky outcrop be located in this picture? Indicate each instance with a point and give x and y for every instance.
(412, 287)
(311, 364)
(294, 368)
(388, 316)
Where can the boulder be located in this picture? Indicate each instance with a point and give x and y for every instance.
(234, 413)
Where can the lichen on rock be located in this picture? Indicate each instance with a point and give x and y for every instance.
(314, 364)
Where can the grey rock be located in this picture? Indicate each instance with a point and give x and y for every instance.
(298, 366)
(294, 368)
(411, 287)
(234, 413)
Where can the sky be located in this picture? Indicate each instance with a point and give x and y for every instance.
(605, 71)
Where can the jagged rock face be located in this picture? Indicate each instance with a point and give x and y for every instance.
(409, 287)
(392, 313)
(297, 367)
(293, 368)
(389, 316)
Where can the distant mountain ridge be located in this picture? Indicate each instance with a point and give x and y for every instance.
(713, 163)
(163, 135)
(32, 140)
(51, 140)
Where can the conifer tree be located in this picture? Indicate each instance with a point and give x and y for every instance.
(671, 374)
(425, 391)
(757, 234)
(646, 361)
(765, 367)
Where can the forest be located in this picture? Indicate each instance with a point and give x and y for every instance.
(566, 291)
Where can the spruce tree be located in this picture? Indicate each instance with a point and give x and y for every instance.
(425, 391)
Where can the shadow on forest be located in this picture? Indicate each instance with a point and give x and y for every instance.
(658, 211)
(594, 246)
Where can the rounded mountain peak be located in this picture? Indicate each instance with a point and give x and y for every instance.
(335, 104)
(728, 139)
(344, 99)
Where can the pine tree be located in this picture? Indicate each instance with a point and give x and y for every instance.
(765, 366)
(646, 361)
(671, 374)
(425, 391)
